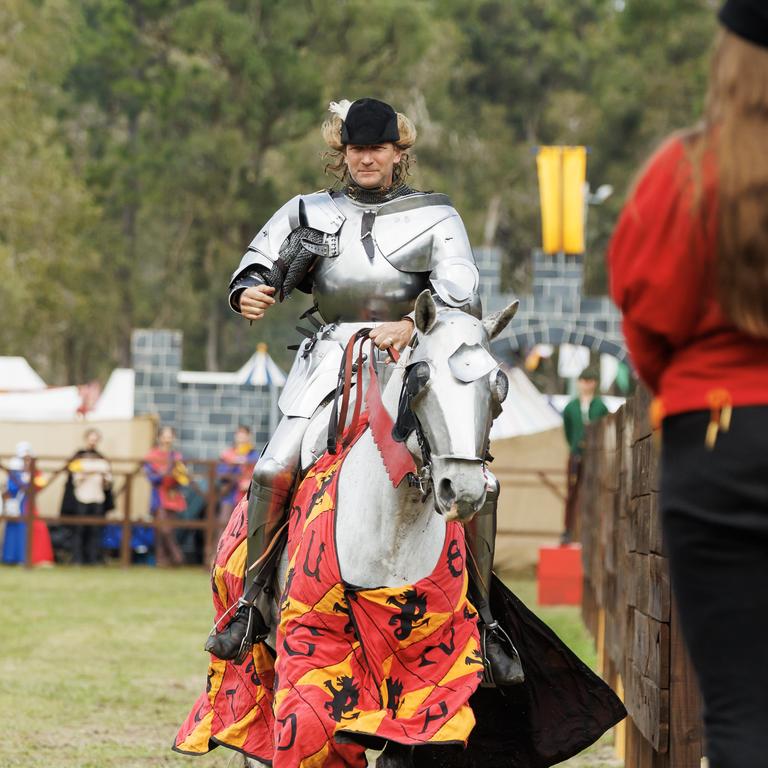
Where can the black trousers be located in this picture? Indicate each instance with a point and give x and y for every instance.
(715, 517)
(86, 540)
(573, 478)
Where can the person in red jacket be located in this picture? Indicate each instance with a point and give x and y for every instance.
(165, 470)
(689, 271)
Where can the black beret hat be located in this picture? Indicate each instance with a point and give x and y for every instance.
(747, 19)
(369, 121)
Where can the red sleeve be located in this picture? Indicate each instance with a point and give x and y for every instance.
(655, 261)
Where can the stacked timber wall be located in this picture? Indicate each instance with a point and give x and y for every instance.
(627, 603)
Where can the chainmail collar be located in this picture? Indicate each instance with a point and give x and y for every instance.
(376, 196)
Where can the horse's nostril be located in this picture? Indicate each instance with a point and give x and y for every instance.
(447, 492)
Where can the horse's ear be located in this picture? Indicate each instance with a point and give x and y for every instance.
(425, 314)
(498, 321)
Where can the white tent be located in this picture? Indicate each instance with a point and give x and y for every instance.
(54, 404)
(28, 398)
(17, 375)
(526, 411)
(24, 396)
(116, 399)
(612, 403)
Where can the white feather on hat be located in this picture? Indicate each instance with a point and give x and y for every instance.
(340, 108)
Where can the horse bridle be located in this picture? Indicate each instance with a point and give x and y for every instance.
(406, 420)
(342, 394)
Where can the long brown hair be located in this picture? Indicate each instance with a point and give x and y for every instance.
(737, 122)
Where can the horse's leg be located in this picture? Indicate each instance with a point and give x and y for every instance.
(250, 762)
(395, 756)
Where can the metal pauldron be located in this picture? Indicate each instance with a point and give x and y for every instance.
(317, 211)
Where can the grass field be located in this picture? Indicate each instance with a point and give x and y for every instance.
(100, 666)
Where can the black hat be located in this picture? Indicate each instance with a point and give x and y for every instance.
(369, 121)
(747, 19)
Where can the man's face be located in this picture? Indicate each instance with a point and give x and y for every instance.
(166, 439)
(372, 166)
(92, 440)
(587, 388)
(242, 437)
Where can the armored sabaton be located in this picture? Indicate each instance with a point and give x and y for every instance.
(373, 260)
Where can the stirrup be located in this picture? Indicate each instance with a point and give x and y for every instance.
(236, 640)
(501, 660)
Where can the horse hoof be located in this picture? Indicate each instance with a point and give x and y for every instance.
(395, 756)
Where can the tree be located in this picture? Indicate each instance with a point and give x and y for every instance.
(170, 131)
(47, 259)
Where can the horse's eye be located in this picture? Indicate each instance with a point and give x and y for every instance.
(418, 378)
(500, 385)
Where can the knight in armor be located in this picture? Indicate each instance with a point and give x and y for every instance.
(365, 251)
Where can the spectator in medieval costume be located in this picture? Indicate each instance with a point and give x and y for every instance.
(165, 469)
(584, 409)
(234, 472)
(689, 270)
(87, 492)
(16, 498)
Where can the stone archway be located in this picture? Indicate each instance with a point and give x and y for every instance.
(545, 333)
(555, 312)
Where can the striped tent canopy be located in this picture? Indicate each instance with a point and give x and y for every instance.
(261, 370)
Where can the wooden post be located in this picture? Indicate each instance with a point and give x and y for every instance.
(211, 524)
(29, 513)
(600, 643)
(620, 731)
(125, 539)
(685, 737)
(628, 605)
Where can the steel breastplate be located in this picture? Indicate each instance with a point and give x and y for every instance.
(359, 284)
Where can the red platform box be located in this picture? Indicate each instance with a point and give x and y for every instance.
(560, 575)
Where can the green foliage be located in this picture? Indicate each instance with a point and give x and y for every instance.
(48, 220)
(145, 142)
(111, 662)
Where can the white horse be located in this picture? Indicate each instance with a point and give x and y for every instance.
(392, 536)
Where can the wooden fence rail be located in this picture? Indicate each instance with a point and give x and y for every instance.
(123, 497)
(128, 471)
(627, 602)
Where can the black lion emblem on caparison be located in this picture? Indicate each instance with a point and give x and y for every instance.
(413, 610)
(344, 699)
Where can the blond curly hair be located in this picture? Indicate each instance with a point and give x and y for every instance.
(336, 165)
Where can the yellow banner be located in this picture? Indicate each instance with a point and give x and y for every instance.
(549, 164)
(562, 176)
